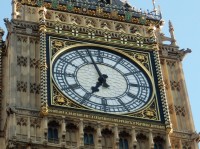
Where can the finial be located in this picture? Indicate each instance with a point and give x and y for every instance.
(171, 28)
(154, 7)
(171, 31)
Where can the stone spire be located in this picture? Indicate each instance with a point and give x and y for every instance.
(171, 31)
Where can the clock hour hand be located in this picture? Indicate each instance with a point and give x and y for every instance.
(102, 77)
(101, 81)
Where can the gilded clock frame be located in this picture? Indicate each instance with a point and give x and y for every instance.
(144, 113)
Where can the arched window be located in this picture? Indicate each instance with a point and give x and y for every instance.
(53, 132)
(89, 136)
(124, 138)
(158, 142)
(71, 135)
(142, 141)
(107, 139)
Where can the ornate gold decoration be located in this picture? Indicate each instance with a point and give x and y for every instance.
(114, 14)
(99, 11)
(60, 100)
(44, 109)
(149, 112)
(58, 44)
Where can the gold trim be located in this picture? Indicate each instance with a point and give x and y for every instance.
(111, 49)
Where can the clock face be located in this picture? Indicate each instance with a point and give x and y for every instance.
(101, 79)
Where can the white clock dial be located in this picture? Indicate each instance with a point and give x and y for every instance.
(101, 79)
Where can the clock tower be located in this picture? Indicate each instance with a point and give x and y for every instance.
(92, 74)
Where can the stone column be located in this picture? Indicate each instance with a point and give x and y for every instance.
(45, 129)
(134, 140)
(29, 129)
(168, 142)
(81, 134)
(14, 125)
(14, 12)
(99, 136)
(151, 143)
(63, 132)
(116, 137)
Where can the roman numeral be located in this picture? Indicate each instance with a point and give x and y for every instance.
(137, 85)
(75, 86)
(118, 61)
(122, 103)
(86, 97)
(131, 95)
(65, 61)
(82, 57)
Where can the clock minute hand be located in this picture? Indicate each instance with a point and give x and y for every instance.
(102, 77)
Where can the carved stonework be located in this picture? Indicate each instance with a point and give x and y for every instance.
(21, 61)
(166, 84)
(171, 109)
(22, 121)
(175, 85)
(21, 86)
(34, 88)
(35, 122)
(180, 111)
(34, 63)
(175, 144)
(171, 63)
(186, 145)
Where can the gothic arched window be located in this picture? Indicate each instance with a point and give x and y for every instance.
(71, 134)
(142, 141)
(158, 142)
(53, 132)
(89, 136)
(124, 138)
(107, 139)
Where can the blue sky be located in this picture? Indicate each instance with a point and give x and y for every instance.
(185, 19)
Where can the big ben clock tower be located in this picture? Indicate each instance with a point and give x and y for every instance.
(92, 74)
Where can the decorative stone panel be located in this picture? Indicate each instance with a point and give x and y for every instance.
(180, 111)
(171, 63)
(21, 61)
(35, 122)
(171, 109)
(22, 121)
(34, 63)
(34, 88)
(21, 86)
(175, 85)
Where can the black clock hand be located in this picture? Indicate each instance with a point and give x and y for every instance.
(102, 77)
(101, 81)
